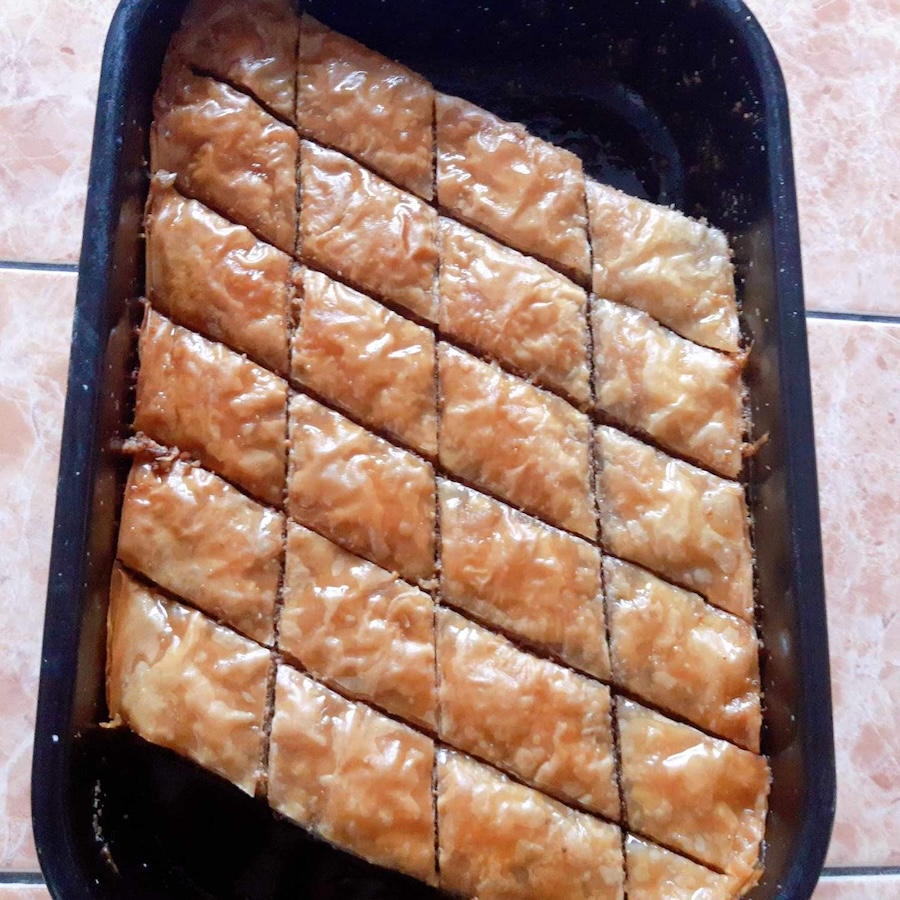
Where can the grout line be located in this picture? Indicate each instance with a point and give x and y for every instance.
(871, 318)
(17, 878)
(25, 266)
(860, 871)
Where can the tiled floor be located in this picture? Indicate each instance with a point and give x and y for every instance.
(842, 62)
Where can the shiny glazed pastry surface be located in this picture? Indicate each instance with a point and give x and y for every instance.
(371, 362)
(365, 494)
(366, 231)
(226, 152)
(531, 717)
(675, 519)
(673, 649)
(514, 308)
(252, 45)
(358, 779)
(692, 792)
(656, 259)
(358, 626)
(183, 682)
(654, 873)
(523, 576)
(503, 841)
(215, 277)
(439, 434)
(214, 404)
(522, 190)
(200, 538)
(358, 101)
(516, 441)
(687, 397)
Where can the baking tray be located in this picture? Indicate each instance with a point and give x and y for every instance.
(680, 102)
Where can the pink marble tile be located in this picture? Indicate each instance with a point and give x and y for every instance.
(855, 370)
(870, 887)
(35, 321)
(50, 61)
(841, 60)
(23, 892)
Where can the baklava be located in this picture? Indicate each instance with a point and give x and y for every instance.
(433, 538)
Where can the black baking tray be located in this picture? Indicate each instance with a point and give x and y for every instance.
(678, 101)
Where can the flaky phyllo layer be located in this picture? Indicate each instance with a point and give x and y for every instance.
(432, 538)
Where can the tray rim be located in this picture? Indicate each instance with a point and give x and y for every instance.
(79, 452)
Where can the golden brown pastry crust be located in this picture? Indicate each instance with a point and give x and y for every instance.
(360, 491)
(385, 120)
(358, 779)
(516, 441)
(687, 397)
(197, 536)
(674, 650)
(179, 680)
(358, 626)
(367, 232)
(531, 717)
(694, 793)
(657, 259)
(214, 404)
(654, 873)
(515, 309)
(251, 45)
(376, 365)
(503, 841)
(522, 190)
(215, 277)
(675, 519)
(523, 576)
(227, 152)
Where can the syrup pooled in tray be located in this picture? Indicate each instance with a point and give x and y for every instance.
(433, 538)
